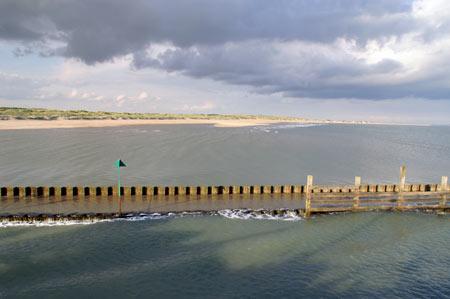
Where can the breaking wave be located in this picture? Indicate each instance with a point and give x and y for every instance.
(285, 215)
(89, 220)
(282, 214)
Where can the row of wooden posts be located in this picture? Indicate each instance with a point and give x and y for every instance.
(309, 188)
(318, 198)
(403, 197)
(209, 190)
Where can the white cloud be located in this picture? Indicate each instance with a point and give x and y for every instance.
(204, 107)
(143, 95)
(434, 12)
(73, 93)
(99, 98)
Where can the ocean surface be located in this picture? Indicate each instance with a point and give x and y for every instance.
(228, 254)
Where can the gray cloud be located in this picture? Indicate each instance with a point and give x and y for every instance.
(232, 41)
(303, 73)
(98, 30)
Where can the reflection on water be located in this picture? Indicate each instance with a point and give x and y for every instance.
(148, 204)
(357, 255)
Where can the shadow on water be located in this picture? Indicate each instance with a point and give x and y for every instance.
(185, 258)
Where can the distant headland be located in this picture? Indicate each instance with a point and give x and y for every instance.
(12, 118)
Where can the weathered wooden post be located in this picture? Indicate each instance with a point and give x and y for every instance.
(181, 190)
(357, 184)
(444, 182)
(69, 192)
(309, 184)
(402, 186)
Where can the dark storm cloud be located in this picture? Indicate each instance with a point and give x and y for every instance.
(98, 30)
(225, 40)
(303, 73)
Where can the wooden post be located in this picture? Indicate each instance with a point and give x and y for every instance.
(69, 192)
(256, 189)
(309, 184)
(245, 189)
(357, 185)
(92, 191)
(45, 192)
(226, 190)
(444, 182)
(104, 191)
(10, 191)
(80, 191)
(402, 186)
(214, 190)
(203, 190)
(181, 190)
(297, 189)
(33, 191)
(171, 190)
(402, 178)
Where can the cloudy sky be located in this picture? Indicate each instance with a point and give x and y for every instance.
(384, 60)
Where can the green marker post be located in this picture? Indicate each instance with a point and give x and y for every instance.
(119, 163)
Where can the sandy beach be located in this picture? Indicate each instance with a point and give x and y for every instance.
(15, 124)
(28, 124)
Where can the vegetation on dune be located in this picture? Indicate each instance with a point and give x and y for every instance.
(48, 114)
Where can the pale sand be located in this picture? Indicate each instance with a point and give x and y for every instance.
(63, 123)
(15, 124)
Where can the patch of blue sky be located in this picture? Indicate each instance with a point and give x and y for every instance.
(28, 65)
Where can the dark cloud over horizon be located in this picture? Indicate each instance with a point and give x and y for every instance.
(296, 48)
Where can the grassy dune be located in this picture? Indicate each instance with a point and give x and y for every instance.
(48, 114)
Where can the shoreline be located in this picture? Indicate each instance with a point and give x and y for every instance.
(28, 124)
(31, 124)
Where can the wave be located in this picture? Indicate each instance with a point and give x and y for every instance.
(285, 215)
(274, 128)
(291, 126)
(63, 221)
(280, 214)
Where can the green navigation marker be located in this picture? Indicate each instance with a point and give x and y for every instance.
(119, 163)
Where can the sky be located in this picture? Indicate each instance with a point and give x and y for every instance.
(384, 60)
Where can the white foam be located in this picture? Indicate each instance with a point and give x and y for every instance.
(128, 217)
(291, 126)
(288, 215)
(51, 223)
(259, 214)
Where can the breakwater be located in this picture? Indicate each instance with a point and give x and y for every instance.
(309, 198)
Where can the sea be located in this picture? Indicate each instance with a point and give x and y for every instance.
(227, 253)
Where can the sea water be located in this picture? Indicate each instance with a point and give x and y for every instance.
(228, 254)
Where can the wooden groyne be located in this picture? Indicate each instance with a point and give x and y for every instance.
(377, 197)
(317, 198)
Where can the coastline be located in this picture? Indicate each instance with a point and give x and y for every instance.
(30, 124)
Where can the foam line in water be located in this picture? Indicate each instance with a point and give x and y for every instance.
(291, 126)
(50, 221)
(5, 223)
(274, 128)
(281, 214)
(285, 215)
